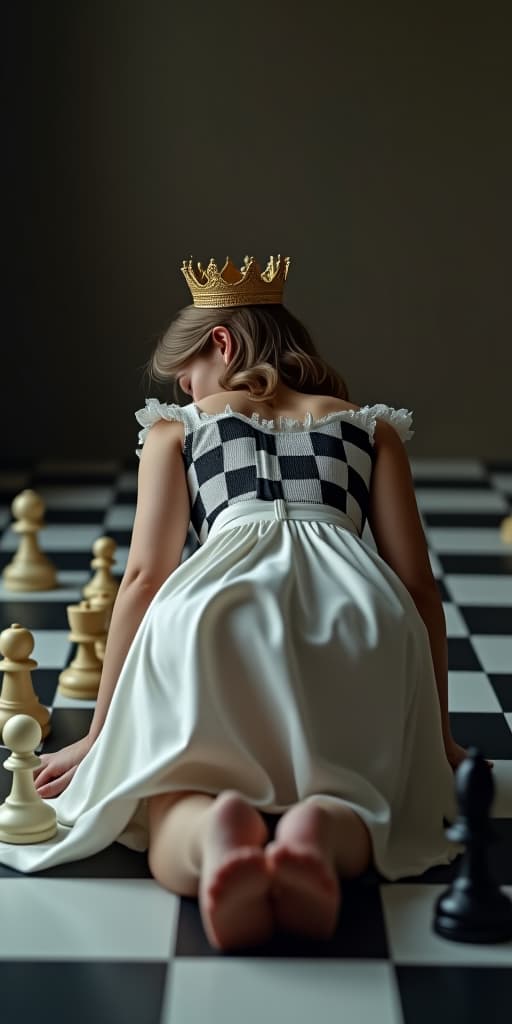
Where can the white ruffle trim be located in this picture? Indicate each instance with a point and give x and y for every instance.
(400, 419)
(366, 417)
(156, 410)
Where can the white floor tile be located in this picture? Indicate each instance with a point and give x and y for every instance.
(408, 911)
(59, 537)
(503, 481)
(60, 701)
(480, 590)
(239, 990)
(471, 691)
(121, 560)
(432, 499)
(127, 481)
(70, 585)
(75, 578)
(80, 496)
(61, 593)
(501, 806)
(435, 565)
(137, 921)
(119, 517)
(472, 541)
(494, 652)
(455, 624)
(51, 647)
(447, 469)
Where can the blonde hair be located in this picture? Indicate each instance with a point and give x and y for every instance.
(271, 345)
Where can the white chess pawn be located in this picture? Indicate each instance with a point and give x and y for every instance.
(17, 696)
(24, 815)
(103, 580)
(30, 569)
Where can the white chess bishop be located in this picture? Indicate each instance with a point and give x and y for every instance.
(24, 815)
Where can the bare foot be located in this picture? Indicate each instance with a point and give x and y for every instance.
(234, 889)
(306, 892)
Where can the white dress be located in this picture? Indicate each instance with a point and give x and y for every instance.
(283, 658)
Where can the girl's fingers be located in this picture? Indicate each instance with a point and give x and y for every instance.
(45, 776)
(41, 768)
(46, 772)
(52, 789)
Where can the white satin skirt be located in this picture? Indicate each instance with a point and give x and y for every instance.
(283, 659)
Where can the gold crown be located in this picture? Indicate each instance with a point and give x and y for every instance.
(233, 287)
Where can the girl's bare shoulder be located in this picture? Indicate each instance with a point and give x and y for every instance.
(317, 405)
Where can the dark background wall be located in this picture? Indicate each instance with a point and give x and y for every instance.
(374, 147)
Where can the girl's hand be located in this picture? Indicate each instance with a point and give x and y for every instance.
(456, 754)
(56, 770)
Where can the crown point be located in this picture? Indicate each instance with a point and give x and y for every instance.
(231, 286)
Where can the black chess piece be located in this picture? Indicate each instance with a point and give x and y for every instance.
(473, 908)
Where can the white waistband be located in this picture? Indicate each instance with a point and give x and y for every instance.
(279, 509)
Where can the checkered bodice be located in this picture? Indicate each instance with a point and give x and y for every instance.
(230, 457)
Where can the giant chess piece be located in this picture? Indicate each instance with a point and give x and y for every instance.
(30, 569)
(24, 815)
(473, 909)
(17, 696)
(81, 679)
(103, 580)
(104, 601)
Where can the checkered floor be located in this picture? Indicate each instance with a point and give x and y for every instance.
(99, 941)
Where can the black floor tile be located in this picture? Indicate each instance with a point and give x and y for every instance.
(489, 565)
(360, 933)
(34, 614)
(489, 732)
(488, 619)
(84, 992)
(53, 516)
(454, 994)
(463, 520)
(502, 685)
(461, 655)
(68, 724)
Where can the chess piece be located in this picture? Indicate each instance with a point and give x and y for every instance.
(506, 530)
(473, 908)
(81, 679)
(103, 580)
(17, 696)
(102, 600)
(30, 569)
(24, 815)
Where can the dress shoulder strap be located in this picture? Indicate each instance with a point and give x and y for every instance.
(400, 419)
(155, 410)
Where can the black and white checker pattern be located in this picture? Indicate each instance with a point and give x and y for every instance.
(229, 459)
(99, 941)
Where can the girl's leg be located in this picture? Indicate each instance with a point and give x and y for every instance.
(335, 828)
(176, 821)
(212, 848)
(316, 842)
